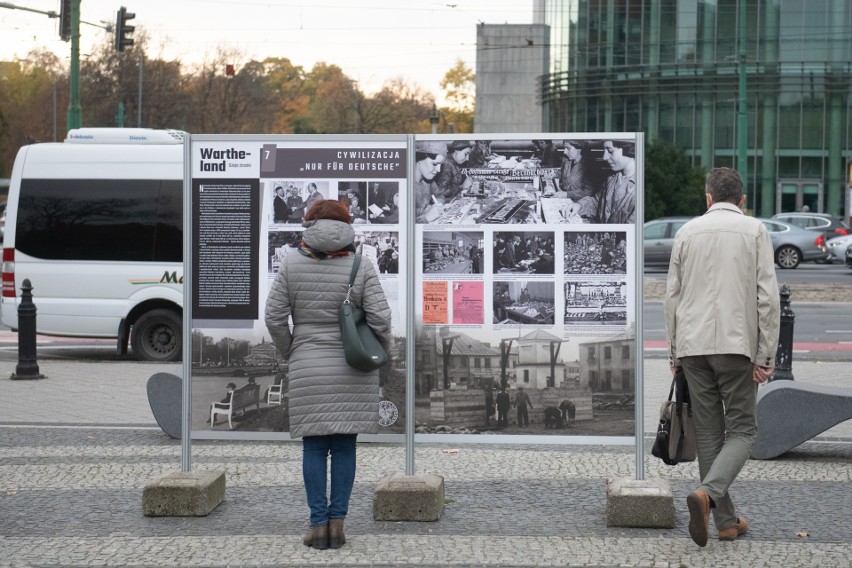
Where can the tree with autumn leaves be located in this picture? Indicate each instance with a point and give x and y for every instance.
(272, 96)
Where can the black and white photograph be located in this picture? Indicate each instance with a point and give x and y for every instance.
(291, 199)
(522, 302)
(598, 252)
(381, 248)
(383, 202)
(240, 382)
(526, 252)
(356, 193)
(523, 381)
(453, 252)
(595, 302)
(280, 244)
(520, 181)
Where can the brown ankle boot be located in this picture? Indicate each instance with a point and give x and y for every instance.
(316, 537)
(336, 538)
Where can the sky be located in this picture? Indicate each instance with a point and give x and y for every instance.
(372, 41)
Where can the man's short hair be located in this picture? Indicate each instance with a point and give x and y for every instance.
(724, 184)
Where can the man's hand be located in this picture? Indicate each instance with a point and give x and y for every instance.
(675, 370)
(762, 374)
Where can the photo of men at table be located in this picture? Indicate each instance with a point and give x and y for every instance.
(510, 181)
(592, 302)
(599, 252)
(381, 248)
(290, 199)
(526, 252)
(279, 245)
(523, 302)
(383, 202)
(453, 252)
(355, 192)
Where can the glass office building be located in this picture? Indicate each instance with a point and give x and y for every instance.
(669, 68)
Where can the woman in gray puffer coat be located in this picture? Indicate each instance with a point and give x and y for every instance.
(330, 402)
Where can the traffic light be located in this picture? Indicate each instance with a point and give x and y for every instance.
(65, 20)
(122, 30)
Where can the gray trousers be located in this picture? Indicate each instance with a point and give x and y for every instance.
(723, 408)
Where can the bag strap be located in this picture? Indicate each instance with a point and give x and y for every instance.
(355, 263)
(681, 393)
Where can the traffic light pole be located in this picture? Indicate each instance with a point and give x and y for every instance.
(75, 111)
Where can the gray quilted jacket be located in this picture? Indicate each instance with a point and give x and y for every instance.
(326, 396)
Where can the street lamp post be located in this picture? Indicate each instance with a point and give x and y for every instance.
(447, 347)
(434, 118)
(505, 348)
(75, 110)
(742, 109)
(555, 346)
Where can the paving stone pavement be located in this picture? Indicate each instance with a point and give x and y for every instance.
(77, 448)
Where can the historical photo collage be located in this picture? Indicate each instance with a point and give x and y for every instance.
(526, 286)
(374, 209)
(240, 381)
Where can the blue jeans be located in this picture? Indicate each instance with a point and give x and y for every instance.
(315, 451)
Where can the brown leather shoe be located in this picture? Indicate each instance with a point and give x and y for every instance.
(316, 537)
(699, 516)
(736, 530)
(336, 538)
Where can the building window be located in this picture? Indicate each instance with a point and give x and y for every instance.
(487, 362)
(625, 352)
(607, 382)
(476, 364)
(526, 375)
(591, 354)
(607, 352)
(626, 382)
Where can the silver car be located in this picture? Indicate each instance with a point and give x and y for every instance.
(829, 225)
(794, 245)
(658, 239)
(837, 247)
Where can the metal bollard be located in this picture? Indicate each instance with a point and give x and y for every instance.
(27, 365)
(784, 355)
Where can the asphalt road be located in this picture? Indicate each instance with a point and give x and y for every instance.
(807, 272)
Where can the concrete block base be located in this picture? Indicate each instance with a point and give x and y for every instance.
(401, 497)
(184, 494)
(633, 503)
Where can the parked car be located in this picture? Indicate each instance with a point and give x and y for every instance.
(837, 247)
(794, 245)
(849, 256)
(829, 225)
(658, 239)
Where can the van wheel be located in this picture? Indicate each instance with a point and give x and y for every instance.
(157, 336)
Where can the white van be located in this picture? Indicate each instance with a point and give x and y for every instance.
(96, 225)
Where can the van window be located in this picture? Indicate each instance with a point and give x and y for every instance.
(97, 219)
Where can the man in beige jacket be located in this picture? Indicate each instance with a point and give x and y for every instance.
(722, 317)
